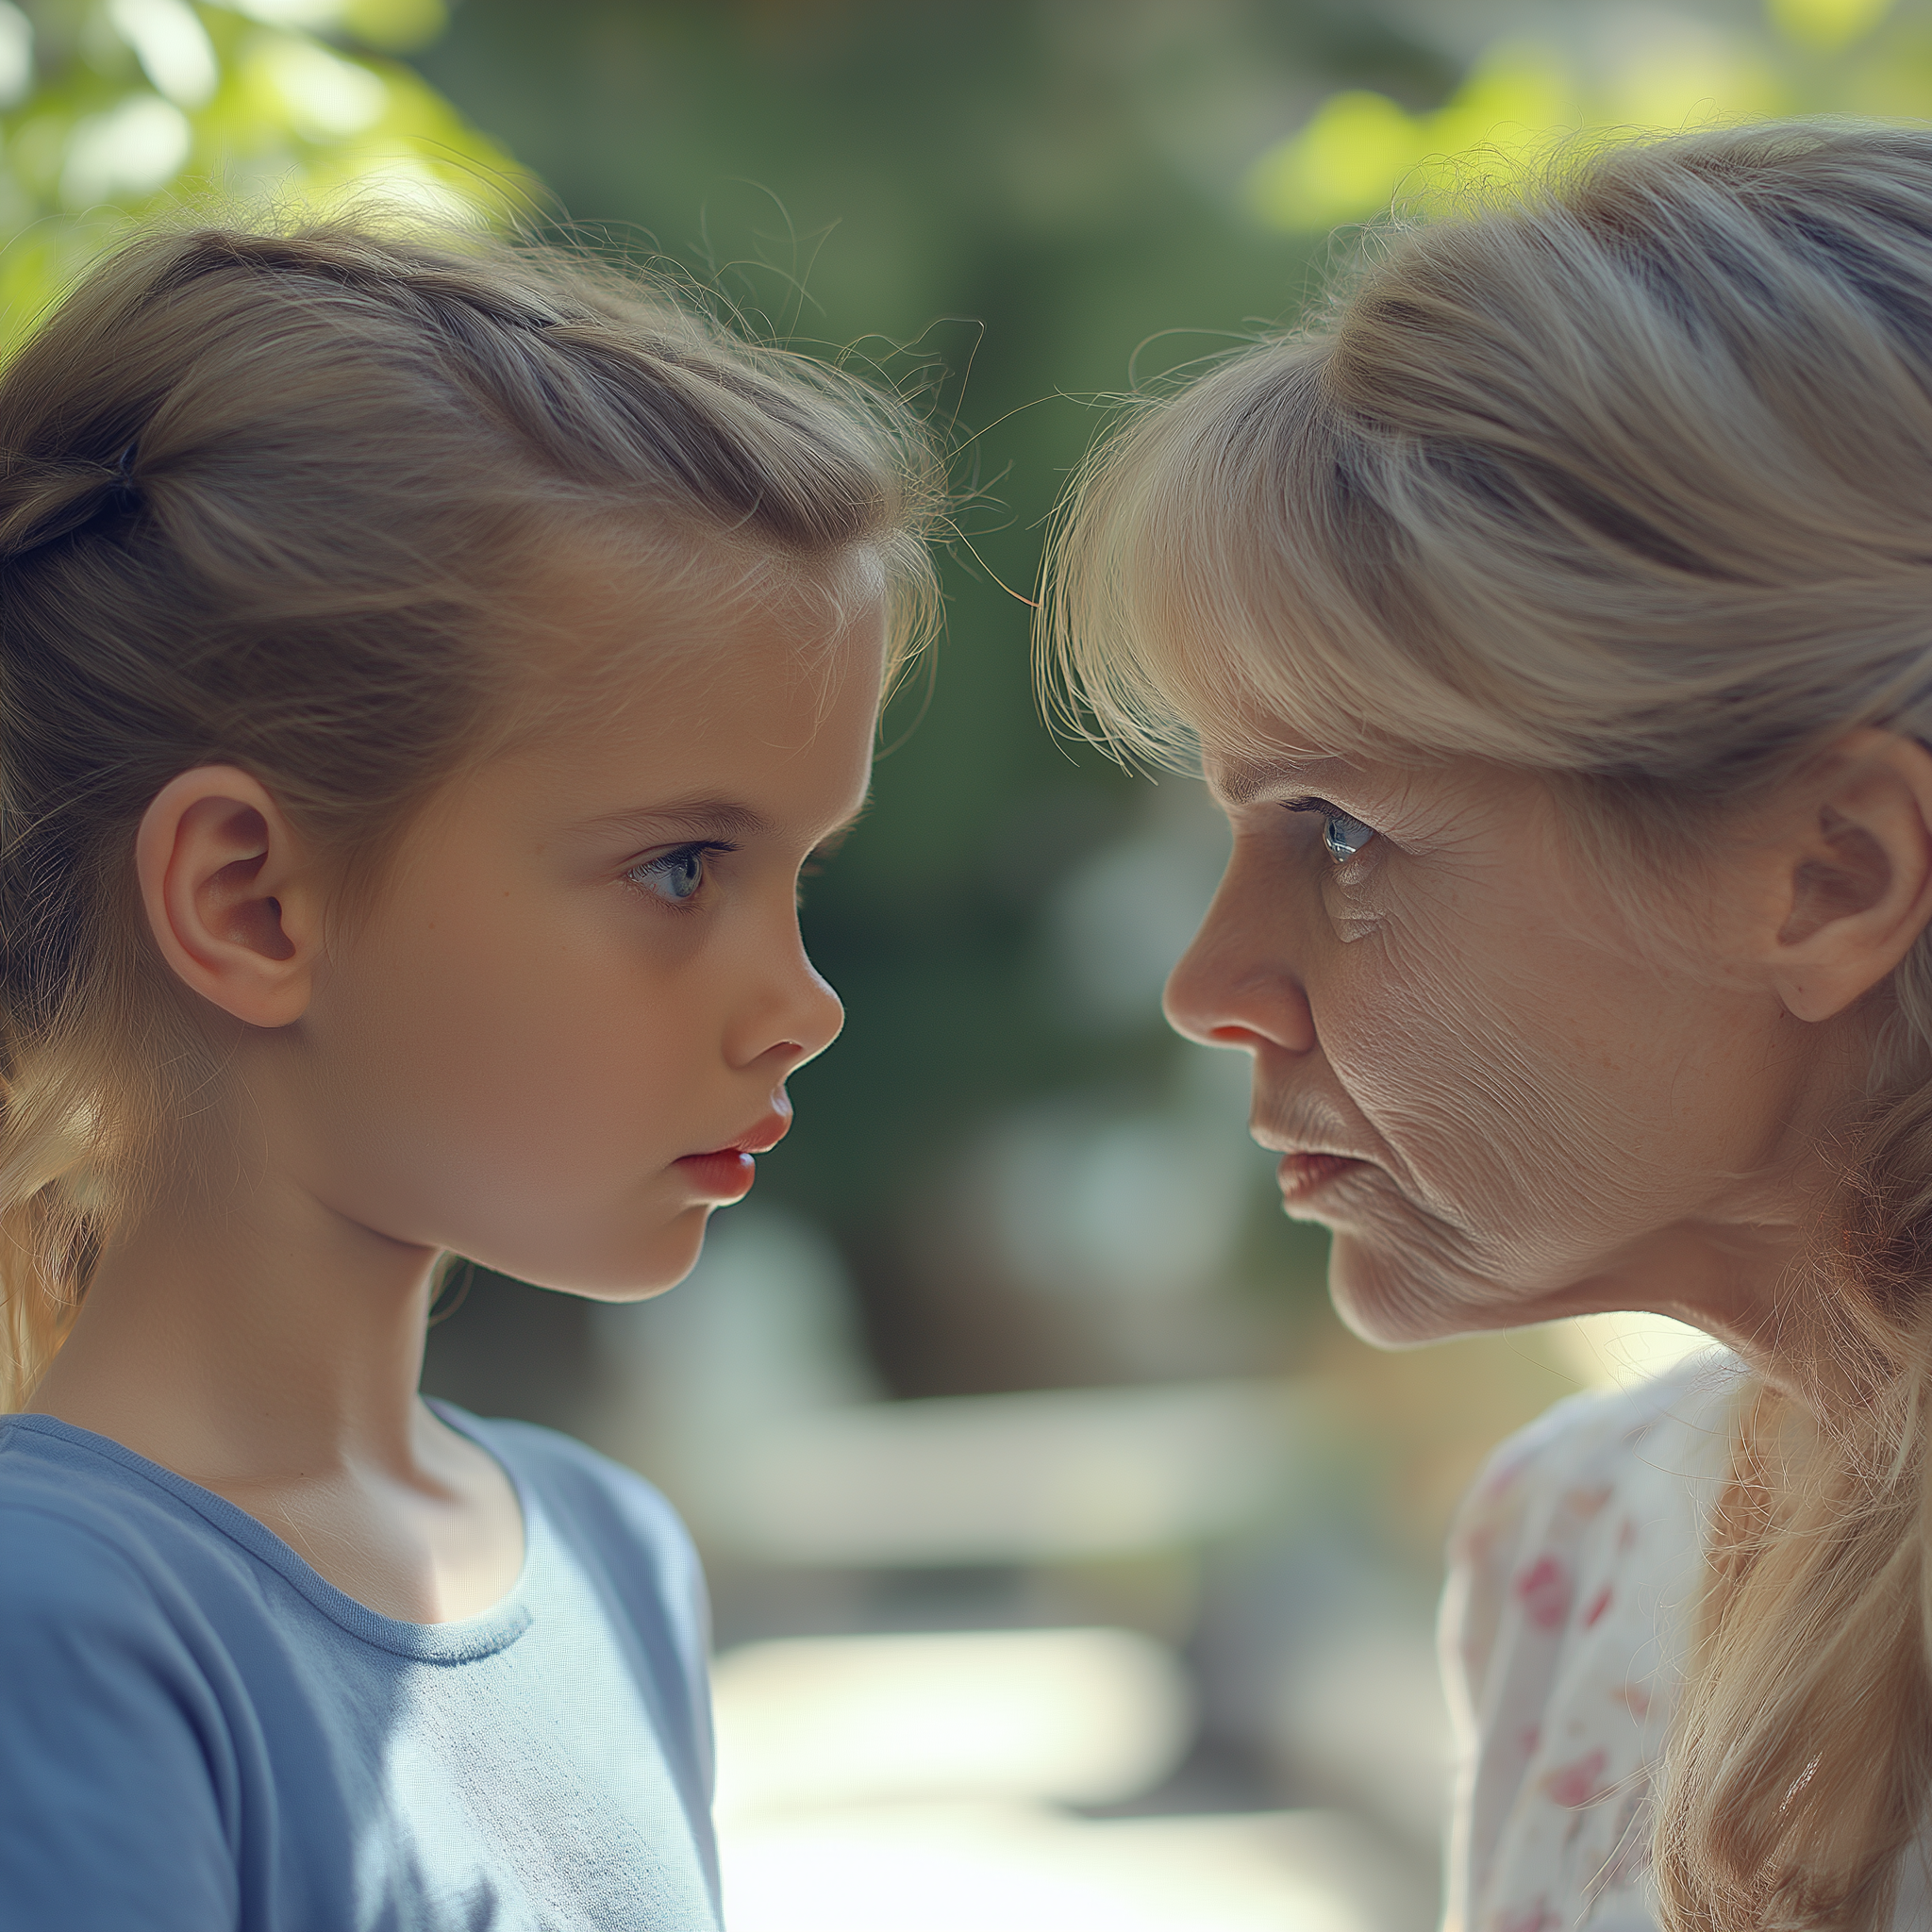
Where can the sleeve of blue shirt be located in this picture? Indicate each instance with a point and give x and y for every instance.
(116, 1772)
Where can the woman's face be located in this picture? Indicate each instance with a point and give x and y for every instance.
(1511, 1093)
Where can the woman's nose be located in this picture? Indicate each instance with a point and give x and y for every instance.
(1234, 985)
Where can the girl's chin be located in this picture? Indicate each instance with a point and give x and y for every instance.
(632, 1272)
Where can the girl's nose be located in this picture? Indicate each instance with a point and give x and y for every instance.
(822, 1012)
(794, 1016)
(1235, 985)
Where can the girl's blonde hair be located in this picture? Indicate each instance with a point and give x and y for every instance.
(1624, 477)
(284, 500)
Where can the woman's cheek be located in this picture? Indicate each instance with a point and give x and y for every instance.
(1357, 903)
(1430, 1047)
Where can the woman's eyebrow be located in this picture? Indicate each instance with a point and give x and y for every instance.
(1243, 784)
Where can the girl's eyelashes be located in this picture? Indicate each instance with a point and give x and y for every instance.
(815, 862)
(1342, 834)
(676, 876)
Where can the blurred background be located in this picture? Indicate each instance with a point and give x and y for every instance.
(1073, 1568)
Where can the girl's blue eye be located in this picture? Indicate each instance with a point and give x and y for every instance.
(674, 875)
(1343, 836)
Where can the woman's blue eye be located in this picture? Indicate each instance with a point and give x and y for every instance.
(1343, 836)
(676, 876)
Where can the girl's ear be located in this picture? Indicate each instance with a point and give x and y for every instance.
(1852, 856)
(230, 899)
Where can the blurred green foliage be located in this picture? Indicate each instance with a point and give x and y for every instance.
(111, 108)
(1360, 149)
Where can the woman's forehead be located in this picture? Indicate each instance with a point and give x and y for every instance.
(1250, 741)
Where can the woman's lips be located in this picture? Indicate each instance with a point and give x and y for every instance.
(1302, 1174)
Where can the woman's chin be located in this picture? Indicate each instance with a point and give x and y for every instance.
(1396, 1302)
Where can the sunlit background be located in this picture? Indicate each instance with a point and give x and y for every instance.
(1073, 1570)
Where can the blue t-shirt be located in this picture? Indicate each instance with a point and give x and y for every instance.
(198, 1734)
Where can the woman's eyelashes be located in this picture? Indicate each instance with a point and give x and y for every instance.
(1342, 834)
(677, 875)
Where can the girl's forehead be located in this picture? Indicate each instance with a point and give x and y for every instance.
(754, 742)
(616, 627)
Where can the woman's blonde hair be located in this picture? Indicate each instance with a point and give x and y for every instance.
(287, 500)
(1623, 476)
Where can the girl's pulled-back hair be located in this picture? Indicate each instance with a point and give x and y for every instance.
(1623, 477)
(281, 500)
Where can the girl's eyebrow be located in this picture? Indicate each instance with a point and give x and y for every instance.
(831, 842)
(707, 815)
(687, 815)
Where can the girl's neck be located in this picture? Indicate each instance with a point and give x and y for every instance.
(266, 1347)
(251, 1337)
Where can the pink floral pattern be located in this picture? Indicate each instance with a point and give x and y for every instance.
(1543, 1591)
(1539, 1918)
(1580, 1783)
(1571, 1570)
(1574, 1570)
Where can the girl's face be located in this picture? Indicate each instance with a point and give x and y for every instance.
(559, 1036)
(1510, 1097)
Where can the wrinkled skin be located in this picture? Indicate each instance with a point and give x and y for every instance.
(1556, 1097)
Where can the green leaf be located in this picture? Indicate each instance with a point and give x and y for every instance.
(116, 109)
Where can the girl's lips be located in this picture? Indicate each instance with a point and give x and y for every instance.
(1302, 1174)
(725, 1175)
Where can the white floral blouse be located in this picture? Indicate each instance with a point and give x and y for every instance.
(1575, 1566)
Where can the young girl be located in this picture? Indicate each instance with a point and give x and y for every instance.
(426, 666)
(1554, 616)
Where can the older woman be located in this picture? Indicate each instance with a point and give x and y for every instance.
(1553, 619)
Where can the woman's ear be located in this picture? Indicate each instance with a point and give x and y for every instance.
(1853, 858)
(231, 898)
